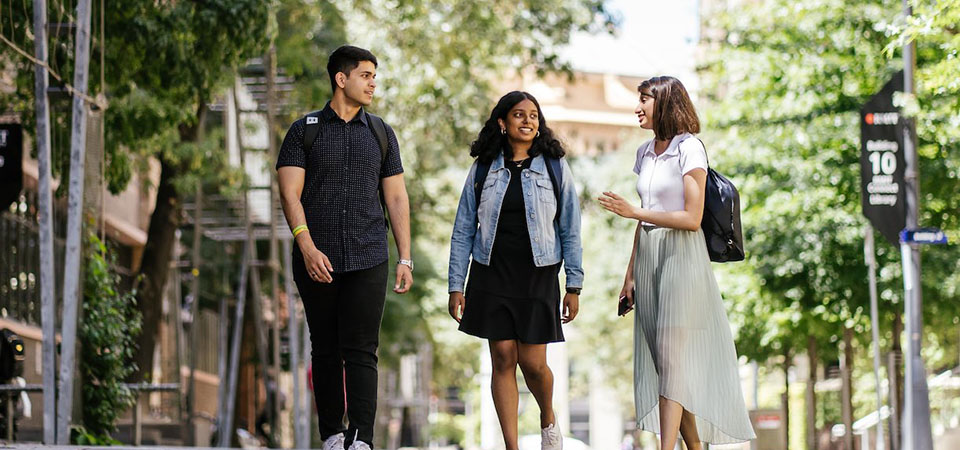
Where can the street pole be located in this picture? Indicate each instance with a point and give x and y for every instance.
(274, 243)
(223, 344)
(71, 275)
(293, 331)
(249, 251)
(916, 418)
(48, 278)
(225, 422)
(870, 255)
(260, 329)
(191, 435)
(256, 300)
(223, 333)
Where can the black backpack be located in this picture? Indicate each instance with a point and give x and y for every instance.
(311, 131)
(554, 169)
(721, 218)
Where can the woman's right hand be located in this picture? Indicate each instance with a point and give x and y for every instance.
(455, 306)
(317, 264)
(627, 292)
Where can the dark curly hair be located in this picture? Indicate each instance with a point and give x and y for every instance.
(490, 142)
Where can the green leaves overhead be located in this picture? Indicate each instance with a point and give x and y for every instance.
(785, 82)
(165, 60)
(441, 67)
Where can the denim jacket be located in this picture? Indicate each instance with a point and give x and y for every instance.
(551, 240)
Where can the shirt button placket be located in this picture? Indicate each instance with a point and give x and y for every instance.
(346, 137)
(343, 199)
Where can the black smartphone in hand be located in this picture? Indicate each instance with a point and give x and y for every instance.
(623, 306)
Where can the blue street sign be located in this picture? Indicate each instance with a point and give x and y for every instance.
(923, 236)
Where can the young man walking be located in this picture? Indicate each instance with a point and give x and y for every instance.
(335, 167)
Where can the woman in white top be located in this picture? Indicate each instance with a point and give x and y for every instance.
(685, 363)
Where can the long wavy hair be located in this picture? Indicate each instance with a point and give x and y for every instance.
(490, 142)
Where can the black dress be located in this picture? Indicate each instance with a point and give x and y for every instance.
(512, 299)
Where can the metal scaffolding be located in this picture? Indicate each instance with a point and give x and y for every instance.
(230, 220)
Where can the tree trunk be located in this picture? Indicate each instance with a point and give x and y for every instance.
(248, 388)
(811, 399)
(895, 375)
(785, 397)
(155, 266)
(846, 391)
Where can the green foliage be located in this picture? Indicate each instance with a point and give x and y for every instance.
(107, 338)
(156, 95)
(80, 436)
(933, 27)
(162, 60)
(598, 338)
(306, 33)
(785, 86)
(438, 61)
(936, 110)
(450, 428)
(784, 83)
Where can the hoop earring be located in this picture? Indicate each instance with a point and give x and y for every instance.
(504, 131)
(538, 133)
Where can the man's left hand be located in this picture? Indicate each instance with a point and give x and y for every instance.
(404, 279)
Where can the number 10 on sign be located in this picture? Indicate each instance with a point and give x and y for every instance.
(883, 163)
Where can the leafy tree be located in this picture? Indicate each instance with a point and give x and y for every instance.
(784, 82)
(936, 109)
(163, 62)
(193, 49)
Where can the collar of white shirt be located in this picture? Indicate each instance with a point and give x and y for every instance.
(672, 149)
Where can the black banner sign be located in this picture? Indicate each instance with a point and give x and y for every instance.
(11, 163)
(882, 162)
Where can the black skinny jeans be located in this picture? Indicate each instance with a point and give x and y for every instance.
(344, 319)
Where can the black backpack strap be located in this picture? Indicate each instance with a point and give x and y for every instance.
(311, 130)
(478, 178)
(380, 131)
(555, 170)
(704, 151)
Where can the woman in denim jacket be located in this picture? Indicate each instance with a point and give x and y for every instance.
(518, 234)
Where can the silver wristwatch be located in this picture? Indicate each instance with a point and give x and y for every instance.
(406, 262)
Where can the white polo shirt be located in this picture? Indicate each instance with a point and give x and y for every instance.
(660, 177)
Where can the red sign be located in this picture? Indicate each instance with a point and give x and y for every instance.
(768, 422)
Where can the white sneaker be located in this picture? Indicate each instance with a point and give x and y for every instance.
(359, 445)
(334, 442)
(550, 438)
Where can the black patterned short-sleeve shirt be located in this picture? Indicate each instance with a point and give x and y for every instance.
(340, 195)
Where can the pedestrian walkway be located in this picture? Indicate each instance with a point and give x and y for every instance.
(38, 446)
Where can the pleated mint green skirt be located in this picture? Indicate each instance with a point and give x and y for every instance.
(683, 347)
